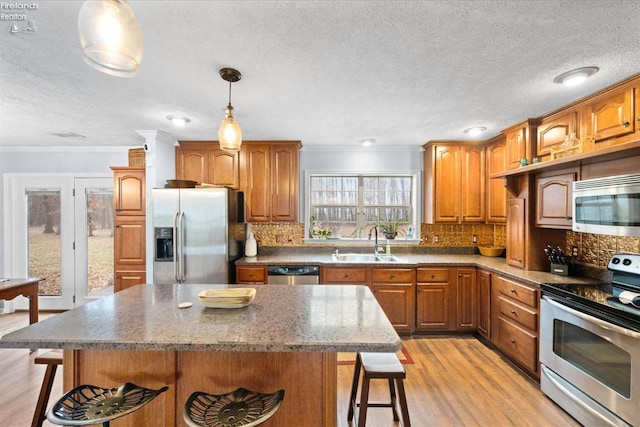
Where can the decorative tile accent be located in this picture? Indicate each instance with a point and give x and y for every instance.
(628, 244)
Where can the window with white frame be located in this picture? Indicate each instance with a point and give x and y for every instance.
(349, 206)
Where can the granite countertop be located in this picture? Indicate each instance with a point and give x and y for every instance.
(280, 319)
(494, 264)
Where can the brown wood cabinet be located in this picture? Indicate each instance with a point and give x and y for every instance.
(205, 162)
(251, 275)
(519, 142)
(395, 292)
(466, 299)
(553, 130)
(454, 183)
(484, 303)
(393, 288)
(435, 304)
(129, 239)
(613, 115)
(516, 233)
(554, 198)
(515, 320)
(496, 191)
(269, 178)
(446, 299)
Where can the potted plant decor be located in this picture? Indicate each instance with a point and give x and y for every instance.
(390, 227)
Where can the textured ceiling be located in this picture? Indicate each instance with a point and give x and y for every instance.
(329, 73)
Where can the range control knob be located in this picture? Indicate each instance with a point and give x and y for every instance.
(615, 260)
(626, 261)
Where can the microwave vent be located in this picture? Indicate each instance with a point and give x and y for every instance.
(612, 181)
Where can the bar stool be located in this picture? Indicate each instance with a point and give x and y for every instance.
(238, 408)
(379, 366)
(52, 359)
(89, 405)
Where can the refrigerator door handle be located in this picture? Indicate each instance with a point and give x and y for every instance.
(182, 264)
(176, 247)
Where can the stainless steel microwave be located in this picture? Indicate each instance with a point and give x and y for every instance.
(608, 205)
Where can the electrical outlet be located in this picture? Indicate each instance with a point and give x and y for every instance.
(474, 239)
(436, 239)
(574, 250)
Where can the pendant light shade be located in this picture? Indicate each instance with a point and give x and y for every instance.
(110, 36)
(229, 134)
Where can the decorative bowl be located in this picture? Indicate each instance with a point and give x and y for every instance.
(491, 250)
(181, 183)
(227, 297)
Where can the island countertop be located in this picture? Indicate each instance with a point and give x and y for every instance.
(311, 318)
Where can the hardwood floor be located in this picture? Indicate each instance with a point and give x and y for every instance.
(454, 381)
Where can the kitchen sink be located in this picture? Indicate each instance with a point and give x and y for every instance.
(356, 258)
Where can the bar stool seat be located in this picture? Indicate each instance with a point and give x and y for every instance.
(239, 408)
(89, 404)
(52, 359)
(379, 366)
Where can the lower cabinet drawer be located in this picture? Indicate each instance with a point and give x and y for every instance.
(517, 313)
(519, 343)
(346, 275)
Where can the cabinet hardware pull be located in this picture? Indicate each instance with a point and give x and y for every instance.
(433, 276)
(513, 312)
(638, 118)
(392, 276)
(513, 291)
(512, 341)
(626, 123)
(569, 218)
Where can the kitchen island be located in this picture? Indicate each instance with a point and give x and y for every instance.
(287, 338)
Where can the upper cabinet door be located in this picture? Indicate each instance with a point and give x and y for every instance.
(516, 147)
(553, 131)
(447, 183)
(613, 115)
(129, 191)
(224, 168)
(472, 185)
(496, 191)
(256, 182)
(284, 182)
(192, 164)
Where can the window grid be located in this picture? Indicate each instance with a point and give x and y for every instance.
(348, 206)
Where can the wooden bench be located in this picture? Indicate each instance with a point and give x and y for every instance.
(52, 359)
(379, 366)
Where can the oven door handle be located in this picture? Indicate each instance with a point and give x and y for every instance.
(603, 324)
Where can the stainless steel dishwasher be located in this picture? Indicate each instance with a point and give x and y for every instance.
(293, 274)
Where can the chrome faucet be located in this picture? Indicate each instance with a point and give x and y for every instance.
(376, 249)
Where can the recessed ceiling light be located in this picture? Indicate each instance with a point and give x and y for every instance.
(178, 120)
(575, 77)
(475, 131)
(368, 142)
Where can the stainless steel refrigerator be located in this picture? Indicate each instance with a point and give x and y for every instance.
(198, 234)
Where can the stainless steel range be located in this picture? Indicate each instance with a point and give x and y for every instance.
(590, 346)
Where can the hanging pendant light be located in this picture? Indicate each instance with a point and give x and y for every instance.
(110, 36)
(229, 134)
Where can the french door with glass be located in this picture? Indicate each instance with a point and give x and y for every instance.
(60, 228)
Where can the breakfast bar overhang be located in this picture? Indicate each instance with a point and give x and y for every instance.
(287, 338)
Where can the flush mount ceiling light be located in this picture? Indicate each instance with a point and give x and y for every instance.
(575, 77)
(178, 120)
(475, 131)
(368, 142)
(110, 36)
(229, 134)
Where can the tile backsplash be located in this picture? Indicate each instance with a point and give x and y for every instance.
(292, 234)
(593, 250)
(596, 249)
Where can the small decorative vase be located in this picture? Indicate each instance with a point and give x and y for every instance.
(251, 246)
